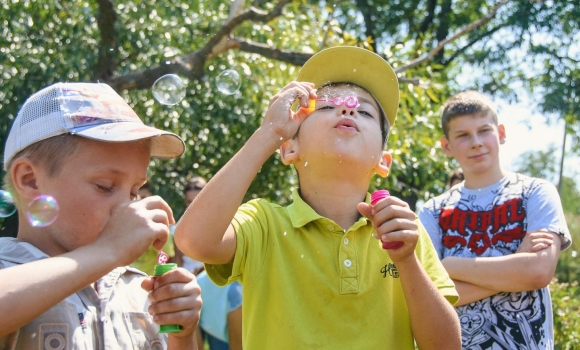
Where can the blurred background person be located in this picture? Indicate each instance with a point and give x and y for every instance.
(220, 323)
(455, 177)
(190, 191)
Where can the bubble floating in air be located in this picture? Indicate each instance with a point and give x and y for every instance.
(42, 211)
(228, 82)
(169, 89)
(7, 206)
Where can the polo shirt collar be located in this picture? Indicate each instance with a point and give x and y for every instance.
(302, 213)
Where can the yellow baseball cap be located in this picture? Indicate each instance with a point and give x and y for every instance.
(350, 64)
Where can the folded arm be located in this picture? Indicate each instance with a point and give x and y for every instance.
(518, 272)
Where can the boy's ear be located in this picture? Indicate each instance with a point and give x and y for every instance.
(24, 178)
(289, 152)
(501, 133)
(445, 146)
(384, 164)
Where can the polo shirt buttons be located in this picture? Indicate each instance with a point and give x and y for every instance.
(347, 263)
(346, 241)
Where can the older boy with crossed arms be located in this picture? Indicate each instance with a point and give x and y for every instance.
(499, 234)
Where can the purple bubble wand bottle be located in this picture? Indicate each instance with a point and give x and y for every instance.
(375, 198)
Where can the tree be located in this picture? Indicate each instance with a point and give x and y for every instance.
(131, 44)
(543, 165)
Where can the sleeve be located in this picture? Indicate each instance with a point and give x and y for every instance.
(544, 212)
(251, 226)
(234, 296)
(431, 225)
(434, 268)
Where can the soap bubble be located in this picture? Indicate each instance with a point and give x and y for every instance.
(7, 206)
(228, 82)
(169, 89)
(42, 211)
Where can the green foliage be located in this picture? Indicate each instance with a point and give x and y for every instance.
(566, 308)
(44, 42)
(538, 164)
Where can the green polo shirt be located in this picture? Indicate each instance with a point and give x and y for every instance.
(308, 284)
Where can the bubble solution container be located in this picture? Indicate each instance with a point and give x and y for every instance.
(375, 198)
(160, 270)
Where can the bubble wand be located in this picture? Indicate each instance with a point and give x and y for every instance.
(375, 198)
(161, 268)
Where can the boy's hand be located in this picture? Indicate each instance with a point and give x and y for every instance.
(394, 221)
(175, 299)
(280, 119)
(535, 241)
(134, 226)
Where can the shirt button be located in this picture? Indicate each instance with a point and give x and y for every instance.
(330, 227)
(347, 263)
(346, 241)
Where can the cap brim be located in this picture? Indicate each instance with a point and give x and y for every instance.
(349, 64)
(164, 144)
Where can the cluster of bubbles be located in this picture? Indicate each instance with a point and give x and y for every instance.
(170, 89)
(42, 211)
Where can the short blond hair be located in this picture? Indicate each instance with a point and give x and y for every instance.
(50, 154)
(466, 103)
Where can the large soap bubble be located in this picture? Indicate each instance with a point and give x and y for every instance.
(228, 82)
(169, 89)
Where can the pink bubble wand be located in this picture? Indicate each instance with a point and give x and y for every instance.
(375, 198)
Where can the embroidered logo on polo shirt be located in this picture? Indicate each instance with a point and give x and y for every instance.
(391, 270)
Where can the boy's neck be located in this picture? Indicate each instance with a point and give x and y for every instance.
(475, 180)
(334, 198)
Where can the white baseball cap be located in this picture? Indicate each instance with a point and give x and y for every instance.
(91, 110)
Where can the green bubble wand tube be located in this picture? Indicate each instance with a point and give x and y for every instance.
(161, 268)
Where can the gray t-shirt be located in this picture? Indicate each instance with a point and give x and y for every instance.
(115, 318)
(493, 221)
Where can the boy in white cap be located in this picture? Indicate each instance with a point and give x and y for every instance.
(314, 274)
(61, 286)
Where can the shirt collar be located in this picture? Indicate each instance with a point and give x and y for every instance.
(302, 213)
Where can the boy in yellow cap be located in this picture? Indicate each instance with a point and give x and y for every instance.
(314, 274)
(61, 287)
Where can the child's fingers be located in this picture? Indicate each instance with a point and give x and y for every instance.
(382, 214)
(147, 284)
(172, 305)
(173, 284)
(365, 210)
(157, 203)
(396, 225)
(187, 319)
(408, 237)
(539, 247)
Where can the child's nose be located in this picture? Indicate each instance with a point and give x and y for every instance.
(347, 111)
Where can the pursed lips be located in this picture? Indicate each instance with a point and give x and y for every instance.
(347, 124)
